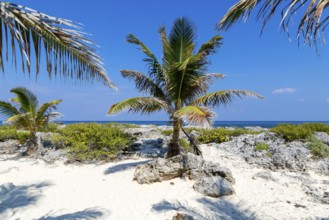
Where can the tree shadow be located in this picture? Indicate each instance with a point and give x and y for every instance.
(123, 167)
(211, 210)
(13, 197)
(87, 214)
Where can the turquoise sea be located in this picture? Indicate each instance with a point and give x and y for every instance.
(264, 124)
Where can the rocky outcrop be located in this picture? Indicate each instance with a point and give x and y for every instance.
(316, 194)
(190, 166)
(214, 186)
(9, 147)
(322, 136)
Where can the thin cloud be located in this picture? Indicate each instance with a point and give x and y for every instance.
(284, 90)
(327, 100)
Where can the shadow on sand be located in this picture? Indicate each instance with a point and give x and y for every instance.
(87, 214)
(211, 210)
(123, 167)
(13, 197)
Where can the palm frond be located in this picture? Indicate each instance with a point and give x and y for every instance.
(67, 49)
(201, 84)
(311, 26)
(45, 109)
(144, 105)
(144, 83)
(210, 47)
(224, 97)
(154, 67)
(26, 99)
(7, 109)
(196, 115)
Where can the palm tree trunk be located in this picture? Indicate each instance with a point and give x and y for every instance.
(173, 146)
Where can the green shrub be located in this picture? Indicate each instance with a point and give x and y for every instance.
(262, 146)
(167, 132)
(121, 125)
(317, 148)
(51, 127)
(319, 127)
(219, 135)
(12, 134)
(291, 132)
(92, 141)
(184, 143)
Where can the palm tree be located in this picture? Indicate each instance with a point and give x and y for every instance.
(179, 84)
(24, 112)
(311, 26)
(68, 51)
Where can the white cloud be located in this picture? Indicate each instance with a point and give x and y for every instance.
(284, 90)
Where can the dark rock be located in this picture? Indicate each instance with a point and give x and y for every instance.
(213, 186)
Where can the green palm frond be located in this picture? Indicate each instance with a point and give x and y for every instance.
(7, 109)
(224, 97)
(67, 49)
(144, 105)
(46, 108)
(196, 115)
(26, 99)
(144, 83)
(154, 67)
(211, 46)
(311, 23)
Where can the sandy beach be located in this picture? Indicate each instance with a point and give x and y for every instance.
(32, 189)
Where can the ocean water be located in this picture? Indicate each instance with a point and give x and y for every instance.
(240, 124)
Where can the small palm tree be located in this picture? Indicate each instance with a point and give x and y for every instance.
(311, 22)
(68, 51)
(24, 111)
(180, 83)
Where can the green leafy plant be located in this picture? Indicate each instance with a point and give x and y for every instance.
(219, 135)
(13, 134)
(317, 148)
(167, 132)
(92, 141)
(184, 144)
(291, 132)
(262, 146)
(180, 83)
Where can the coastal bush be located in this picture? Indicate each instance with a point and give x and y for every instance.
(219, 135)
(12, 134)
(262, 146)
(317, 148)
(50, 127)
(291, 132)
(92, 141)
(184, 144)
(167, 132)
(121, 125)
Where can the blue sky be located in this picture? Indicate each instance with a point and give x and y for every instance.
(294, 80)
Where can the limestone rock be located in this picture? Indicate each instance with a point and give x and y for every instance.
(9, 147)
(266, 175)
(213, 186)
(322, 136)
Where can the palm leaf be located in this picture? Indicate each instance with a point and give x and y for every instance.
(67, 49)
(196, 115)
(224, 97)
(144, 105)
(211, 46)
(45, 110)
(311, 24)
(26, 99)
(7, 109)
(144, 83)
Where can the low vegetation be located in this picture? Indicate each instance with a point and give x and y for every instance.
(262, 146)
(291, 132)
(92, 141)
(317, 148)
(219, 135)
(10, 133)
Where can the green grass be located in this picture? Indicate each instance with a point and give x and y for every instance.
(302, 132)
(92, 141)
(262, 146)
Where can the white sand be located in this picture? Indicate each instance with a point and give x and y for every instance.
(58, 191)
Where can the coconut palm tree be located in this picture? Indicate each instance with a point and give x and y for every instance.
(24, 111)
(68, 51)
(311, 24)
(179, 84)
